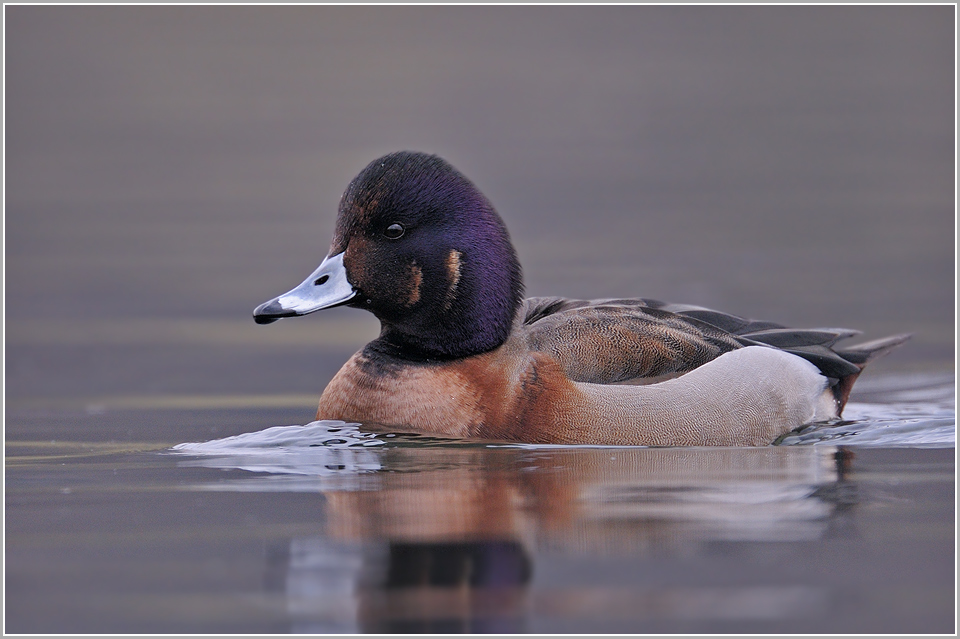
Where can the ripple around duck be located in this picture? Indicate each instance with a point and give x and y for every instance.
(885, 425)
(325, 448)
(898, 412)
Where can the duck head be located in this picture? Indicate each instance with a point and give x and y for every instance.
(420, 247)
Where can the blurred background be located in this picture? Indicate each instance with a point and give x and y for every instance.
(168, 168)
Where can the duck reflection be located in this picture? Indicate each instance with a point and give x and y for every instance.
(442, 539)
(400, 587)
(452, 553)
(469, 586)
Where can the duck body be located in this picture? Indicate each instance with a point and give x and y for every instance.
(748, 396)
(462, 353)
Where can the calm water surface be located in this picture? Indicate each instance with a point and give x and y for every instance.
(330, 527)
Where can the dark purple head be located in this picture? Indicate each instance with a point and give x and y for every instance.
(427, 254)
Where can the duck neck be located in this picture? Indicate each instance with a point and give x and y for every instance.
(446, 337)
(478, 319)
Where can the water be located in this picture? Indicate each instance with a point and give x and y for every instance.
(332, 527)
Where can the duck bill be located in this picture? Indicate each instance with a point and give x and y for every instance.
(326, 287)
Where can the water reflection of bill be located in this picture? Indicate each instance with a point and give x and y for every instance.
(437, 538)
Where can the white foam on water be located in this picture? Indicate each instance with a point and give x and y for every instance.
(322, 448)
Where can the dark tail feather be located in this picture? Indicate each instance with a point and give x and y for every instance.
(863, 353)
(812, 344)
(859, 355)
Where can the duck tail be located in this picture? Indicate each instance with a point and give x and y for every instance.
(859, 356)
(863, 353)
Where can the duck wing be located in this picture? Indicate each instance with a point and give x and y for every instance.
(642, 340)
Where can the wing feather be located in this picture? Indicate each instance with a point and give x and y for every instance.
(632, 340)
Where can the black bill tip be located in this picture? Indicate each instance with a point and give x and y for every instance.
(270, 312)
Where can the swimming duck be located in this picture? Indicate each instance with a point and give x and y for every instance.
(462, 353)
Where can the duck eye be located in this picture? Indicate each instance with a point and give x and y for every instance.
(394, 231)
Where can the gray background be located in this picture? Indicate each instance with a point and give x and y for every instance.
(169, 168)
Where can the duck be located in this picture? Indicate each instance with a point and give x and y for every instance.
(462, 353)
